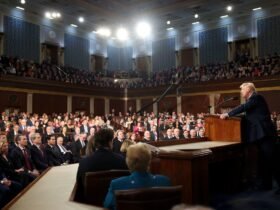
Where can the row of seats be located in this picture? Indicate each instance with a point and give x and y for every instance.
(97, 184)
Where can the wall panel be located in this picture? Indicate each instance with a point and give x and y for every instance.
(45, 103)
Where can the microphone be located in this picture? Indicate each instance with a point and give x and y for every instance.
(226, 100)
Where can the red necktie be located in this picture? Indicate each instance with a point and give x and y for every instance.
(26, 160)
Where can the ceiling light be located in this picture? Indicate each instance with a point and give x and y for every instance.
(48, 15)
(224, 16)
(73, 25)
(194, 23)
(81, 19)
(54, 15)
(168, 22)
(257, 8)
(143, 29)
(229, 8)
(22, 1)
(104, 32)
(122, 34)
(21, 8)
(171, 28)
(196, 15)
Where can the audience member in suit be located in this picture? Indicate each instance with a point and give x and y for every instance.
(201, 133)
(11, 135)
(8, 189)
(193, 134)
(21, 157)
(52, 155)
(147, 137)
(169, 135)
(102, 159)
(177, 134)
(65, 154)
(37, 152)
(84, 127)
(117, 142)
(154, 134)
(260, 131)
(186, 134)
(138, 160)
(79, 147)
(6, 165)
(48, 132)
(66, 137)
(22, 125)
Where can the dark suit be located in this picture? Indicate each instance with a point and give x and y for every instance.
(78, 150)
(101, 160)
(169, 138)
(52, 156)
(260, 130)
(117, 145)
(9, 170)
(39, 158)
(134, 181)
(18, 159)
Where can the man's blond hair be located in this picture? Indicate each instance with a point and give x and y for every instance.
(249, 85)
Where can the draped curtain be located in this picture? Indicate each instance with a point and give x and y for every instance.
(21, 39)
(119, 58)
(269, 35)
(76, 52)
(163, 54)
(213, 46)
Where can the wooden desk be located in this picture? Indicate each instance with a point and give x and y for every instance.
(51, 191)
(189, 165)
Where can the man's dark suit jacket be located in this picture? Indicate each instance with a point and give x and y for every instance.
(78, 150)
(101, 160)
(18, 160)
(116, 145)
(39, 158)
(52, 156)
(258, 122)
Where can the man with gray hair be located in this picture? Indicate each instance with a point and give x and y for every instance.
(259, 131)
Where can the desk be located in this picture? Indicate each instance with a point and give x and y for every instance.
(189, 165)
(51, 191)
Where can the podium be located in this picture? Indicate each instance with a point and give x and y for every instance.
(228, 129)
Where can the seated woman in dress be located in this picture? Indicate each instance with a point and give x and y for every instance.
(138, 160)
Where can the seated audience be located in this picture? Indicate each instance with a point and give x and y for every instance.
(38, 154)
(8, 189)
(126, 143)
(21, 157)
(138, 161)
(53, 156)
(102, 159)
(65, 154)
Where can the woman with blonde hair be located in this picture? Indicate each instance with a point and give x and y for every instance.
(138, 159)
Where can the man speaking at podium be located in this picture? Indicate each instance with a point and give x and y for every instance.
(260, 131)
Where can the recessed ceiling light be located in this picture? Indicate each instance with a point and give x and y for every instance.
(171, 28)
(196, 15)
(194, 23)
(229, 8)
(224, 16)
(168, 22)
(81, 19)
(22, 1)
(73, 25)
(21, 8)
(257, 8)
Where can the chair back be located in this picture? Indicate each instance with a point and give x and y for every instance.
(97, 184)
(162, 198)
